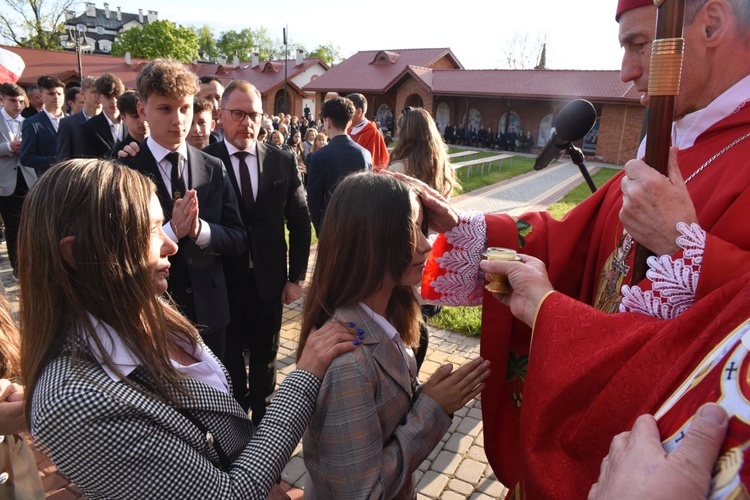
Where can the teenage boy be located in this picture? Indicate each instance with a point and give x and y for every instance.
(200, 207)
(15, 180)
(203, 123)
(39, 145)
(70, 135)
(104, 130)
(127, 105)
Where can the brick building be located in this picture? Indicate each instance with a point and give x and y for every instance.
(497, 99)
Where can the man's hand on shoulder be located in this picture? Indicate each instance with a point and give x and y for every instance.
(129, 151)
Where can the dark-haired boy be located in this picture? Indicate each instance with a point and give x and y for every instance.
(196, 196)
(103, 131)
(15, 180)
(39, 145)
(203, 123)
(70, 136)
(127, 105)
(342, 156)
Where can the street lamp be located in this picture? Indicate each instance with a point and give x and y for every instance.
(77, 40)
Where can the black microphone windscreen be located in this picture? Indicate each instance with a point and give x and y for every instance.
(575, 120)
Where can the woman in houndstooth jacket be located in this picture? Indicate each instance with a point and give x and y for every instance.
(370, 430)
(121, 392)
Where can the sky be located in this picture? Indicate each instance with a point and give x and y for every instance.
(580, 34)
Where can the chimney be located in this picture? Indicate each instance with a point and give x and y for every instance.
(70, 14)
(119, 14)
(106, 10)
(300, 57)
(256, 59)
(222, 59)
(236, 61)
(140, 16)
(153, 16)
(90, 9)
(127, 57)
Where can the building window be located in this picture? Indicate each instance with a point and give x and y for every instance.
(99, 30)
(105, 45)
(81, 27)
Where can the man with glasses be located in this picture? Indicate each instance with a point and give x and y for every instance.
(269, 191)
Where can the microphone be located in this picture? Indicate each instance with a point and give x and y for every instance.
(572, 123)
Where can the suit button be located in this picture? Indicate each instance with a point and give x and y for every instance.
(190, 261)
(189, 290)
(4, 478)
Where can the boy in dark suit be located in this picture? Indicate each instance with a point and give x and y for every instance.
(39, 145)
(199, 204)
(103, 131)
(127, 104)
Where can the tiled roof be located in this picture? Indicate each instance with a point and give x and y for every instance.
(265, 76)
(536, 84)
(361, 73)
(64, 64)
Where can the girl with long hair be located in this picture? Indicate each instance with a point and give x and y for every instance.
(421, 153)
(370, 429)
(121, 392)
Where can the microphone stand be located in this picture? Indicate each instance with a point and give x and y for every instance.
(577, 156)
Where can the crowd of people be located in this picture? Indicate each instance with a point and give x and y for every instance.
(463, 135)
(160, 238)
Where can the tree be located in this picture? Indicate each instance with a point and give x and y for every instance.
(521, 52)
(158, 39)
(330, 54)
(34, 23)
(246, 42)
(207, 48)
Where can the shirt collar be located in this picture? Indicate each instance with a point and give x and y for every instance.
(383, 323)
(252, 150)
(9, 118)
(160, 152)
(111, 123)
(53, 118)
(358, 128)
(122, 357)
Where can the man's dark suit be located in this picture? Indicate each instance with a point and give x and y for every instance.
(70, 137)
(255, 294)
(326, 167)
(196, 278)
(39, 144)
(97, 136)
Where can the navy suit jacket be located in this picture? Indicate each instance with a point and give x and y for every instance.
(39, 144)
(196, 276)
(97, 136)
(326, 167)
(70, 137)
(280, 198)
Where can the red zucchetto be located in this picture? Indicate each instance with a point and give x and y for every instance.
(626, 5)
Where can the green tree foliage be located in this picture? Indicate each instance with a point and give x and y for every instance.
(33, 23)
(246, 42)
(207, 47)
(330, 54)
(158, 39)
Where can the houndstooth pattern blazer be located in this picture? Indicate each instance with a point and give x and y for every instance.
(366, 438)
(116, 442)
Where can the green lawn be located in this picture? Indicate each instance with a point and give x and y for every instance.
(511, 167)
(468, 320)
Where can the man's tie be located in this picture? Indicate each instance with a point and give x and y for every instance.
(178, 183)
(246, 186)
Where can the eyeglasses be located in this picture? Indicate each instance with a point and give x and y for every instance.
(238, 115)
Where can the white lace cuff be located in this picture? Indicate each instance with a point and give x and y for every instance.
(673, 282)
(462, 284)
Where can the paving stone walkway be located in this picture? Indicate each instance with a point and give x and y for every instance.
(457, 468)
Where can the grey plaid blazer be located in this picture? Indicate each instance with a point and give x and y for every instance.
(366, 438)
(116, 442)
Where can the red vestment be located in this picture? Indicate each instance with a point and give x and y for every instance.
(371, 139)
(575, 250)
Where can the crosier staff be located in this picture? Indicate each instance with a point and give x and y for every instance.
(663, 86)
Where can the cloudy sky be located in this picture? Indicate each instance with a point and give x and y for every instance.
(580, 34)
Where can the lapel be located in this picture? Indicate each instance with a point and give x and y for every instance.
(264, 172)
(199, 175)
(45, 122)
(384, 350)
(5, 132)
(220, 151)
(145, 163)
